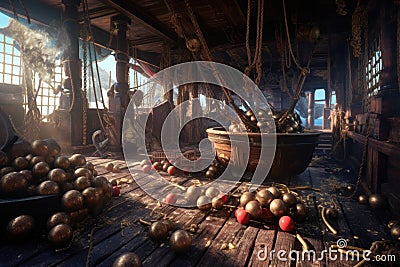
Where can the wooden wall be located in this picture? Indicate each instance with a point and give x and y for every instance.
(381, 173)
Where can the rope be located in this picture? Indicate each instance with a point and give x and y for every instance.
(28, 18)
(256, 62)
(72, 86)
(208, 57)
(288, 37)
(13, 9)
(86, 10)
(90, 41)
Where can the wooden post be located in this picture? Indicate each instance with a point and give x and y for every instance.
(310, 119)
(72, 69)
(120, 90)
(388, 77)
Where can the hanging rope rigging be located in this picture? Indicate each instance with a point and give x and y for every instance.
(256, 62)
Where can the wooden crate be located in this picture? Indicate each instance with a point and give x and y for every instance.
(386, 104)
(379, 127)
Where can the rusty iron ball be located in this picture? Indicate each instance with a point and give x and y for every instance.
(158, 231)
(58, 218)
(72, 200)
(60, 235)
(180, 240)
(128, 259)
(20, 227)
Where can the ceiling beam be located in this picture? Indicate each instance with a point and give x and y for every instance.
(46, 15)
(138, 14)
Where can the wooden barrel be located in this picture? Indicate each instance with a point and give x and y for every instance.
(293, 151)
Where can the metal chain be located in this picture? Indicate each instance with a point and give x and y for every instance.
(84, 106)
(367, 134)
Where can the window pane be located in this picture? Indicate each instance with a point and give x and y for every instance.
(7, 78)
(15, 80)
(8, 59)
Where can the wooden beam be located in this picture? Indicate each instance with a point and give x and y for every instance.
(138, 14)
(98, 12)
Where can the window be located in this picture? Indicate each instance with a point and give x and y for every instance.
(373, 69)
(11, 73)
(319, 106)
(333, 99)
(10, 61)
(47, 101)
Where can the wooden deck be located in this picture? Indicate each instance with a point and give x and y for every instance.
(117, 230)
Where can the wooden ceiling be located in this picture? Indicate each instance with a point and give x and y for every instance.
(223, 23)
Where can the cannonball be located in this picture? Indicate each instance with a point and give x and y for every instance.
(20, 163)
(77, 160)
(289, 199)
(109, 166)
(5, 170)
(275, 191)
(35, 160)
(20, 227)
(72, 200)
(91, 197)
(62, 162)
(60, 235)
(28, 176)
(128, 259)
(58, 218)
(193, 192)
(40, 148)
(277, 207)
(13, 184)
(78, 216)
(81, 183)
(89, 166)
(217, 203)
(57, 175)
(204, 203)
(212, 192)
(264, 197)
(3, 158)
(180, 240)
(40, 169)
(48, 188)
(245, 198)
(158, 231)
(83, 172)
(254, 208)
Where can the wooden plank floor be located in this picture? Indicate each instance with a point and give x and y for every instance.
(117, 230)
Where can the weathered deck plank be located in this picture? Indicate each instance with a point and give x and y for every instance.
(357, 224)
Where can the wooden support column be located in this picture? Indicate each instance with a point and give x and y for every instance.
(326, 122)
(72, 69)
(388, 78)
(120, 90)
(310, 119)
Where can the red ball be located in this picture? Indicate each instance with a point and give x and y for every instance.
(116, 191)
(170, 198)
(286, 223)
(223, 197)
(242, 216)
(146, 168)
(237, 211)
(171, 170)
